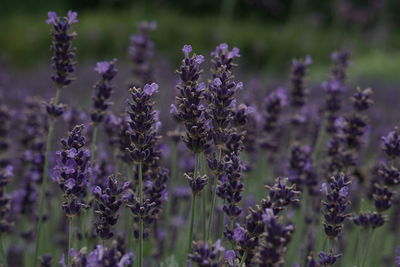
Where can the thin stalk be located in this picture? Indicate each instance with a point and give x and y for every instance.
(140, 178)
(214, 198)
(93, 144)
(43, 186)
(193, 205)
(204, 202)
(70, 238)
(243, 258)
(369, 241)
(192, 211)
(131, 220)
(2, 253)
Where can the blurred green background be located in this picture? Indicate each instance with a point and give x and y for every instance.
(269, 32)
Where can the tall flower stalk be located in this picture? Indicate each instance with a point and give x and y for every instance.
(101, 103)
(143, 135)
(72, 175)
(63, 65)
(191, 113)
(220, 96)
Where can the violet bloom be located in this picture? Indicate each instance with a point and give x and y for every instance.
(328, 259)
(298, 91)
(335, 86)
(335, 205)
(301, 171)
(391, 144)
(205, 254)
(280, 195)
(141, 53)
(33, 140)
(230, 187)
(103, 90)
(142, 123)
(274, 241)
(5, 117)
(63, 51)
(72, 171)
(220, 96)
(6, 172)
(273, 105)
(190, 111)
(369, 220)
(100, 256)
(108, 201)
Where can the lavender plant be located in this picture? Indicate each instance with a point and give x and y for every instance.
(334, 203)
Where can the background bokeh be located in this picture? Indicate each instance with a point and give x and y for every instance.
(269, 32)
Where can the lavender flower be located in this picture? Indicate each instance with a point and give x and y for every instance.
(141, 52)
(189, 109)
(4, 128)
(63, 51)
(142, 124)
(273, 242)
(103, 90)
(230, 186)
(72, 171)
(328, 259)
(280, 196)
(273, 105)
(391, 144)
(5, 200)
(100, 256)
(369, 220)
(335, 87)
(336, 204)
(220, 96)
(299, 92)
(205, 254)
(108, 201)
(301, 170)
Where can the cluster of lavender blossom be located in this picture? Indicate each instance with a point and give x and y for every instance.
(227, 184)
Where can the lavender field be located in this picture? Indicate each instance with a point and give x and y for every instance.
(198, 153)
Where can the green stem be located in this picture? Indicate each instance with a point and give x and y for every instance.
(193, 203)
(192, 211)
(369, 241)
(93, 145)
(70, 238)
(2, 252)
(204, 201)
(131, 220)
(243, 258)
(43, 186)
(140, 178)
(214, 198)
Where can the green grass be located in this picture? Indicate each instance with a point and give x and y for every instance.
(266, 48)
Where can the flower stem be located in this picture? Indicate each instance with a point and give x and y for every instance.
(131, 220)
(3, 259)
(70, 238)
(204, 202)
(43, 185)
(93, 145)
(140, 178)
(193, 203)
(214, 198)
(243, 258)
(369, 241)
